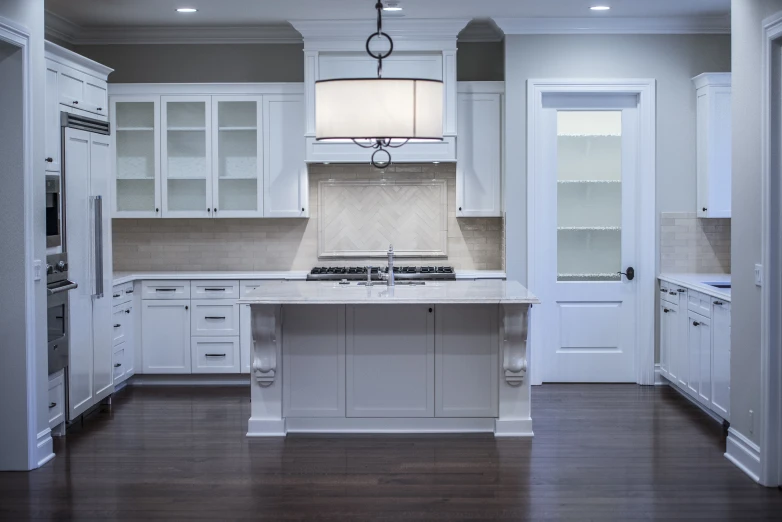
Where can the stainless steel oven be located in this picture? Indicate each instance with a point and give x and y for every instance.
(55, 217)
(57, 286)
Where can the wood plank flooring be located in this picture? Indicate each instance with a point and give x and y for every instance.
(600, 452)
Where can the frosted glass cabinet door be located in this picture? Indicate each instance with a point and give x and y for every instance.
(186, 149)
(237, 166)
(137, 153)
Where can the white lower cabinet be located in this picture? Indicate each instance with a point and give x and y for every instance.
(56, 398)
(390, 370)
(215, 317)
(165, 337)
(466, 366)
(720, 360)
(215, 354)
(313, 361)
(699, 356)
(120, 366)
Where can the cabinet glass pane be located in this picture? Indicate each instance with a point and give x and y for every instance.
(237, 157)
(135, 138)
(187, 167)
(589, 195)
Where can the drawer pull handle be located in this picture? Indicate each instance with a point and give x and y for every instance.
(718, 303)
(214, 355)
(663, 290)
(215, 317)
(672, 293)
(681, 290)
(666, 310)
(52, 405)
(117, 325)
(129, 291)
(165, 289)
(118, 365)
(696, 323)
(214, 289)
(117, 295)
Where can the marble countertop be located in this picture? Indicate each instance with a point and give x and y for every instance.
(696, 282)
(296, 275)
(484, 291)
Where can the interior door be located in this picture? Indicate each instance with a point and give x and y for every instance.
(585, 181)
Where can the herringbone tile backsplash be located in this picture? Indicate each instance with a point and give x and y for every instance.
(292, 244)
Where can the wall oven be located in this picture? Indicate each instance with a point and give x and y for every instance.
(55, 217)
(57, 286)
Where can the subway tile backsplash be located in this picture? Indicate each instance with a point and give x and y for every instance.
(292, 244)
(689, 244)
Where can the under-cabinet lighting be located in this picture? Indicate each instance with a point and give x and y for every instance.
(600, 8)
(186, 10)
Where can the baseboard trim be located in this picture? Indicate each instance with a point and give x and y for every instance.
(391, 425)
(266, 427)
(44, 447)
(683, 393)
(743, 453)
(659, 380)
(190, 380)
(513, 428)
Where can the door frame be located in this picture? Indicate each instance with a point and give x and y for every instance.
(646, 251)
(771, 248)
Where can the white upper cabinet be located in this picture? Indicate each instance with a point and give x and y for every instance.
(285, 173)
(237, 160)
(713, 94)
(186, 150)
(136, 156)
(479, 150)
(81, 81)
(53, 140)
(219, 151)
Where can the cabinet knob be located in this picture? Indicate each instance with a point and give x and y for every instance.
(460, 209)
(100, 108)
(117, 365)
(49, 160)
(302, 209)
(127, 311)
(666, 310)
(187, 307)
(75, 102)
(430, 310)
(157, 210)
(52, 405)
(696, 323)
(215, 209)
(704, 209)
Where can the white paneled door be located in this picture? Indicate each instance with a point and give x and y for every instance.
(586, 170)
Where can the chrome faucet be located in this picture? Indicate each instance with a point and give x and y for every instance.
(390, 275)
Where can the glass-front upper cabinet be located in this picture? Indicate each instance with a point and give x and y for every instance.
(137, 151)
(186, 150)
(237, 166)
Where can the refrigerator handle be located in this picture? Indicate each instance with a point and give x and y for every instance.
(98, 208)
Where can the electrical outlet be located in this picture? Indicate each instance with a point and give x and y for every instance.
(758, 274)
(751, 422)
(36, 270)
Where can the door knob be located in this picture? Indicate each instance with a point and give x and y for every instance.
(630, 274)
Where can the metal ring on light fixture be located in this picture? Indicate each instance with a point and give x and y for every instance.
(380, 56)
(380, 165)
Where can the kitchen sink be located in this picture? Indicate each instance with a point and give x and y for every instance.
(718, 285)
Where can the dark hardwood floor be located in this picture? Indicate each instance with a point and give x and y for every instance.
(600, 452)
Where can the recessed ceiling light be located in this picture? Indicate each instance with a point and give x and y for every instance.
(392, 6)
(186, 10)
(600, 8)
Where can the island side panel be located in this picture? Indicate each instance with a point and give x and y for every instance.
(514, 418)
(266, 418)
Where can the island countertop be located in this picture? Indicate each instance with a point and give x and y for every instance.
(490, 291)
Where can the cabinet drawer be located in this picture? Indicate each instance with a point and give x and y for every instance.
(213, 317)
(119, 323)
(699, 303)
(120, 365)
(214, 289)
(165, 289)
(248, 286)
(215, 354)
(56, 399)
(122, 293)
(672, 293)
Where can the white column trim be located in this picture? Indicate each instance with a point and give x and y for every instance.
(646, 253)
(770, 458)
(744, 453)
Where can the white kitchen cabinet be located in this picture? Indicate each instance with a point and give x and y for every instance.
(136, 156)
(124, 333)
(466, 367)
(313, 364)
(720, 363)
(186, 152)
(214, 317)
(699, 357)
(479, 150)
(286, 186)
(713, 109)
(238, 158)
(120, 365)
(215, 354)
(56, 398)
(165, 338)
(53, 131)
(81, 81)
(667, 336)
(390, 370)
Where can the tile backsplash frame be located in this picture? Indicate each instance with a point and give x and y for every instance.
(689, 244)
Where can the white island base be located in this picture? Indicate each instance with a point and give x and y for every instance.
(447, 357)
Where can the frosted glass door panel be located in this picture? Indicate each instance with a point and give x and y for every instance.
(137, 168)
(589, 195)
(238, 157)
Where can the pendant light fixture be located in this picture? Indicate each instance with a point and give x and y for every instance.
(379, 113)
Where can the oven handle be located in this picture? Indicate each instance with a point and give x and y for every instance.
(70, 286)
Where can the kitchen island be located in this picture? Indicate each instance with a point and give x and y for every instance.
(445, 356)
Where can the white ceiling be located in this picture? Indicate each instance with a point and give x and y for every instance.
(102, 13)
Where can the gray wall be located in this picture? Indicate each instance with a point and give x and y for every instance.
(23, 379)
(670, 59)
(250, 62)
(747, 16)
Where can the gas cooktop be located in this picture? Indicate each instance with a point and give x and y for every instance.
(359, 273)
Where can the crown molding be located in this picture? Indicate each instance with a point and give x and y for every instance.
(615, 25)
(81, 63)
(398, 29)
(481, 30)
(60, 28)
